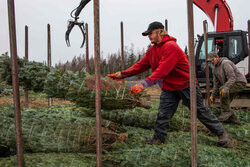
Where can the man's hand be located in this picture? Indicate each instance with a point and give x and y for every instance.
(211, 98)
(137, 88)
(117, 75)
(224, 92)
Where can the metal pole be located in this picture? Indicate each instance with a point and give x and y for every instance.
(206, 64)
(15, 82)
(193, 102)
(49, 55)
(122, 47)
(249, 49)
(27, 58)
(97, 84)
(87, 48)
(166, 24)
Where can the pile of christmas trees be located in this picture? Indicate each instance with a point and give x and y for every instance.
(78, 87)
(63, 136)
(44, 131)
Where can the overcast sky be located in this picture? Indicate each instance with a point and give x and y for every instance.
(135, 14)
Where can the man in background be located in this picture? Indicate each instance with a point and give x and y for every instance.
(228, 81)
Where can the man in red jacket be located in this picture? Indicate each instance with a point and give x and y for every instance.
(170, 70)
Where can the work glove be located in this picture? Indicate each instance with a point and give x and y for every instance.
(224, 92)
(117, 75)
(212, 99)
(137, 88)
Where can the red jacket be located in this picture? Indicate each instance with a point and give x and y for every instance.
(169, 64)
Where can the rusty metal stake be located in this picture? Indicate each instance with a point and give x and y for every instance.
(205, 27)
(193, 101)
(248, 49)
(49, 56)
(87, 47)
(15, 82)
(122, 47)
(166, 24)
(27, 58)
(97, 84)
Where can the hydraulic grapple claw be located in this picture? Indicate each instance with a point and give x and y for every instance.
(67, 40)
(74, 14)
(69, 28)
(81, 26)
(71, 25)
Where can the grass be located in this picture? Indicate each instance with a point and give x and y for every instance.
(135, 152)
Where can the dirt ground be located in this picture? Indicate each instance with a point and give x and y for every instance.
(33, 103)
(39, 103)
(153, 91)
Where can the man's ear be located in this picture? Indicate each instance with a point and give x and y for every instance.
(159, 32)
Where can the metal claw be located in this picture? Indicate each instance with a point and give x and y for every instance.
(71, 25)
(81, 26)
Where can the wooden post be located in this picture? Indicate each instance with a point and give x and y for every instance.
(49, 56)
(206, 64)
(249, 49)
(122, 47)
(97, 84)
(27, 58)
(87, 47)
(15, 82)
(166, 25)
(193, 100)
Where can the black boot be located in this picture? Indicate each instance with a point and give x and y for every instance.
(224, 140)
(224, 116)
(234, 120)
(156, 140)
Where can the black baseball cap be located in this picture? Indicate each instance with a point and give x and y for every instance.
(153, 26)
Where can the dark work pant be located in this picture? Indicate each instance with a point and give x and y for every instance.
(233, 92)
(169, 101)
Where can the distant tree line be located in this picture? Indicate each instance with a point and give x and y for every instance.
(109, 64)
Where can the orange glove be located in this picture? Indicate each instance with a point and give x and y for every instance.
(137, 88)
(117, 75)
(224, 92)
(211, 98)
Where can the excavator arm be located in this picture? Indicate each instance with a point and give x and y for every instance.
(224, 15)
(213, 8)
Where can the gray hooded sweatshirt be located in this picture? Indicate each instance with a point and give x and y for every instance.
(225, 74)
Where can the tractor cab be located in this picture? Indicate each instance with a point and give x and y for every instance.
(231, 44)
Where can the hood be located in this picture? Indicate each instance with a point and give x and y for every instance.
(166, 39)
(221, 60)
